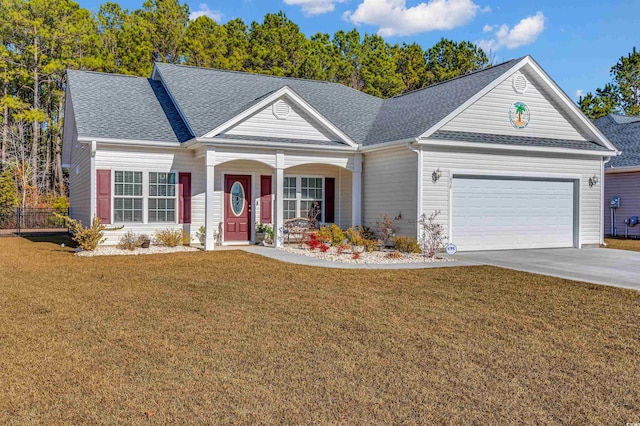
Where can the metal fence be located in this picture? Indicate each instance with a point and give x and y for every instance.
(32, 220)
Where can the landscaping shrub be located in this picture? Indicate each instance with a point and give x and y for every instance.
(356, 255)
(87, 238)
(355, 237)
(170, 237)
(343, 247)
(312, 241)
(130, 241)
(393, 255)
(331, 234)
(406, 244)
(324, 248)
(386, 228)
(431, 234)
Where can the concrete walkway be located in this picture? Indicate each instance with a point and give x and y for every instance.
(619, 268)
(300, 259)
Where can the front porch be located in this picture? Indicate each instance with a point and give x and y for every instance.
(245, 188)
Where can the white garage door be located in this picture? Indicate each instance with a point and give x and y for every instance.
(510, 213)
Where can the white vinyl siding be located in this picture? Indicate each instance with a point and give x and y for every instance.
(298, 125)
(490, 114)
(389, 187)
(80, 183)
(627, 187)
(156, 161)
(436, 196)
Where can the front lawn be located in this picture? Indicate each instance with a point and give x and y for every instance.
(230, 337)
(619, 244)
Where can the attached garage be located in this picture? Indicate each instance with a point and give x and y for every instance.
(500, 213)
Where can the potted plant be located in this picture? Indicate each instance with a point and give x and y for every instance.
(264, 233)
(145, 241)
(201, 234)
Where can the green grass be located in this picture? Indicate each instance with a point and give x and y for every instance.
(230, 337)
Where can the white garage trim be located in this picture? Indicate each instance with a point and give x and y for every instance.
(484, 174)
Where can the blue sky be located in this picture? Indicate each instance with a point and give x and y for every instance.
(576, 42)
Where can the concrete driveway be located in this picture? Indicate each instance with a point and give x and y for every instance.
(618, 268)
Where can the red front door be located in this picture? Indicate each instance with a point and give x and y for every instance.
(237, 208)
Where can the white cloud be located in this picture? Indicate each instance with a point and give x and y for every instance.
(203, 10)
(314, 7)
(579, 93)
(393, 17)
(523, 33)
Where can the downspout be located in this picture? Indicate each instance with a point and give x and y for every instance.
(418, 151)
(602, 163)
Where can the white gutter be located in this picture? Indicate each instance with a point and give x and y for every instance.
(602, 200)
(263, 144)
(131, 142)
(387, 145)
(517, 148)
(418, 151)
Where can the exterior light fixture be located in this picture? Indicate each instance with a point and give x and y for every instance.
(593, 180)
(436, 175)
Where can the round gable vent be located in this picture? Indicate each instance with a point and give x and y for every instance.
(281, 110)
(520, 83)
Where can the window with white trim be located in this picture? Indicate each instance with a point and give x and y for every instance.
(311, 198)
(162, 197)
(290, 197)
(302, 194)
(128, 198)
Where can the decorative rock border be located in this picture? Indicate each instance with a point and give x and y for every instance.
(375, 257)
(114, 251)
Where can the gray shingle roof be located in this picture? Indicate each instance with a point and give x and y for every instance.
(624, 133)
(210, 97)
(124, 107)
(411, 114)
(516, 140)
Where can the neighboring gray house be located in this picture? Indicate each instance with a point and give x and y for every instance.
(503, 154)
(622, 173)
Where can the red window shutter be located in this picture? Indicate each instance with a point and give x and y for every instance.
(265, 199)
(184, 198)
(103, 195)
(329, 200)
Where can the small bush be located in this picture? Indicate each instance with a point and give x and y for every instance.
(331, 234)
(87, 238)
(356, 255)
(170, 237)
(324, 248)
(431, 234)
(355, 237)
(130, 241)
(406, 244)
(312, 241)
(343, 247)
(393, 255)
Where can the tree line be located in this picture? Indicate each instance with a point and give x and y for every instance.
(621, 95)
(40, 39)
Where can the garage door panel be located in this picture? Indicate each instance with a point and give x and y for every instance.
(498, 213)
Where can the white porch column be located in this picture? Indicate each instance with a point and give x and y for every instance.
(279, 219)
(210, 225)
(356, 191)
